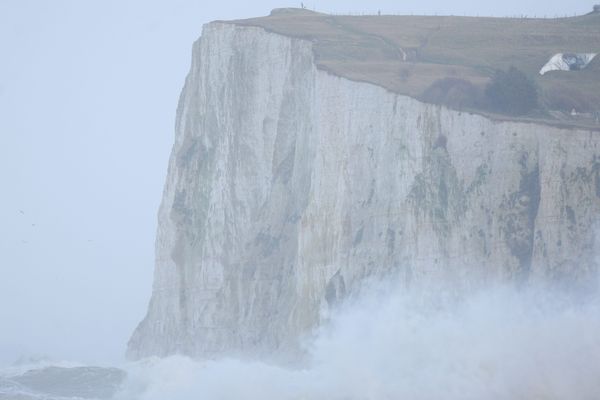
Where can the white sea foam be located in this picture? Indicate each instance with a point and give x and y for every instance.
(500, 343)
(496, 344)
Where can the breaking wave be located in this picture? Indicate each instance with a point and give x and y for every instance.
(495, 344)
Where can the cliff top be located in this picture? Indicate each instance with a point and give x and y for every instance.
(408, 54)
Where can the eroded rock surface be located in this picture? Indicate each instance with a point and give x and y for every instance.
(288, 187)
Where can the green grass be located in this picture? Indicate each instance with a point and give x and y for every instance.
(406, 54)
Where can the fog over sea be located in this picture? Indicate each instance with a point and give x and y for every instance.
(498, 343)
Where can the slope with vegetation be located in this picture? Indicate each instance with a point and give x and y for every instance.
(450, 60)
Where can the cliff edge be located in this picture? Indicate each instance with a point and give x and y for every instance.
(289, 186)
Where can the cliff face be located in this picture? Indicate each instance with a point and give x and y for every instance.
(288, 187)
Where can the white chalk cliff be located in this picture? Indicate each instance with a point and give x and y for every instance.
(288, 187)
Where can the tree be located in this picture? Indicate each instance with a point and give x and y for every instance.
(512, 92)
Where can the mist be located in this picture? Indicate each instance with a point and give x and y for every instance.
(88, 96)
(497, 343)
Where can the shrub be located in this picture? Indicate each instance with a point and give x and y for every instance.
(453, 92)
(511, 92)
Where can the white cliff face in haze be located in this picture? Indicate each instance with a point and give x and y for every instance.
(288, 187)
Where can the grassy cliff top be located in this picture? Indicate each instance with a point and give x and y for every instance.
(407, 54)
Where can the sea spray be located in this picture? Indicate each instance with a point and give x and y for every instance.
(497, 343)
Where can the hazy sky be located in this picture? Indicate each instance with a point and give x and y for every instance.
(88, 91)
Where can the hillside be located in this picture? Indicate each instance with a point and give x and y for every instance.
(407, 54)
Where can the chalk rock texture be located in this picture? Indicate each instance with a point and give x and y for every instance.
(289, 187)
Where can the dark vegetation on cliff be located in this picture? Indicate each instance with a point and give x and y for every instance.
(450, 60)
(511, 92)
